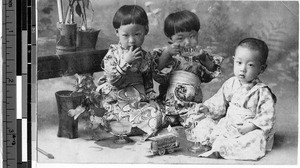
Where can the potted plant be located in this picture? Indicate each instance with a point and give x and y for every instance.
(86, 37)
(85, 100)
(98, 117)
(90, 108)
(66, 30)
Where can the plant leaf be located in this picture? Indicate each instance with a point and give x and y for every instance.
(78, 10)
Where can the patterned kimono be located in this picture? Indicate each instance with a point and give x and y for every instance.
(234, 104)
(182, 78)
(126, 90)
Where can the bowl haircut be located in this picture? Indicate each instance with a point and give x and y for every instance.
(256, 45)
(130, 14)
(182, 21)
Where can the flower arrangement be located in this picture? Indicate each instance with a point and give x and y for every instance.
(91, 103)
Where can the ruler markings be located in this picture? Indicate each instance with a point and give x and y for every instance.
(9, 127)
(10, 84)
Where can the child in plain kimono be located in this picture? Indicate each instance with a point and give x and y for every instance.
(241, 115)
(182, 66)
(127, 85)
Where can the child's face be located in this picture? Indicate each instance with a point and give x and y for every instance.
(247, 64)
(186, 39)
(131, 35)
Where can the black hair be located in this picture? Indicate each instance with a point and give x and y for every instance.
(256, 45)
(130, 14)
(182, 21)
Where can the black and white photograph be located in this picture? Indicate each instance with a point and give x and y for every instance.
(166, 82)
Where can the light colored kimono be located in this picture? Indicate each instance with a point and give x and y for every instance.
(127, 89)
(234, 104)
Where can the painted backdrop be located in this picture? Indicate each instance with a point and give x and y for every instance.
(223, 25)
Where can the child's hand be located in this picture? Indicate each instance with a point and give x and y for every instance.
(167, 53)
(151, 95)
(205, 59)
(172, 49)
(246, 127)
(201, 108)
(132, 55)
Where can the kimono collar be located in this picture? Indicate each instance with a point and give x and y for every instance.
(250, 85)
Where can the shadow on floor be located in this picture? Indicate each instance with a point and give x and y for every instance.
(111, 143)
(279, 140)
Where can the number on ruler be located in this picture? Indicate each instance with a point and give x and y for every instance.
(13, 136)
(14, 139)
(10, 3)
(10, 80)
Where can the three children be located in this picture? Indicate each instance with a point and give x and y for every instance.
(240, 117)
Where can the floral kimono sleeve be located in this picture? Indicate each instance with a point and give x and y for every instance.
(148, 73)
(219, 102)
(161, 76)
(114, 71)
(265, 116)
(211, 67)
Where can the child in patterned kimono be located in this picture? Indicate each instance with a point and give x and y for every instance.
(241, 115)
(127, 84)
(182, 66)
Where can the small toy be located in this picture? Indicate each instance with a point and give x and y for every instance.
(163, 143)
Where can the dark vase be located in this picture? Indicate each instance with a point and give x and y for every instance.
(87, 40)
(66, 38)
(67, 127)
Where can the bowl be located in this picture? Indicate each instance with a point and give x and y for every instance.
(191, 136)
(120, 127)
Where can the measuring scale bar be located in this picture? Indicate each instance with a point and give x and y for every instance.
(16, 42)
(9, 85)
